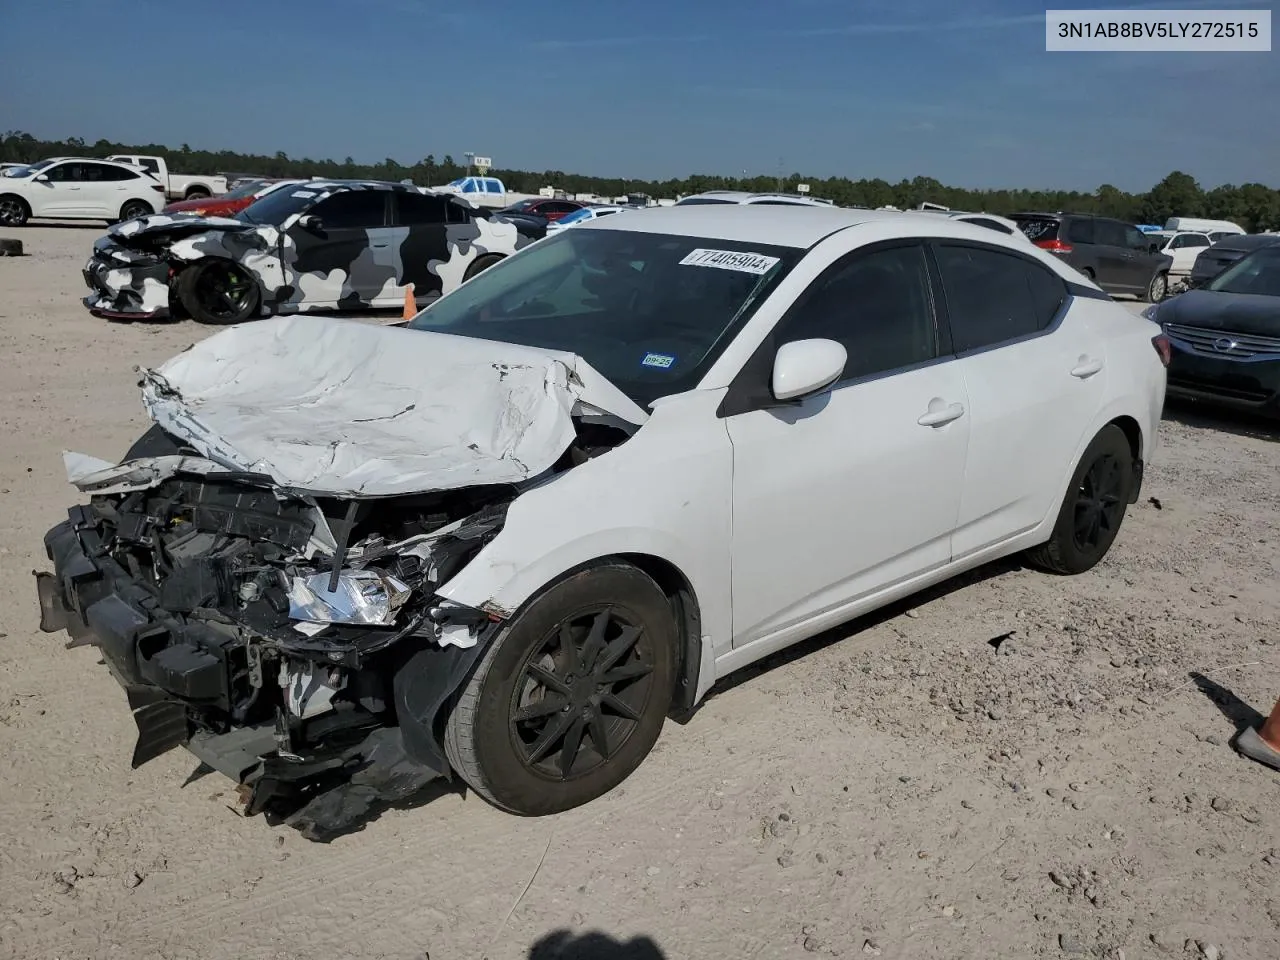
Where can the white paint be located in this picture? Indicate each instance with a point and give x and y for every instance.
(337, 407)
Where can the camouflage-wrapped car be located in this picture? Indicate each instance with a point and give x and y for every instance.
(318, 245)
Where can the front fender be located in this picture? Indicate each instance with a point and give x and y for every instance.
(664, 493)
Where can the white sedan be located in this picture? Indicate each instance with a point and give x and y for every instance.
(507, 541)
(74, 188)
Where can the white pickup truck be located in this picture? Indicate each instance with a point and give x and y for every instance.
(176, 186)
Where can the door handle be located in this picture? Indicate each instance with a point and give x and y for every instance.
(940, 412)
(1130, 256)
(1086, 367)
(377, 245)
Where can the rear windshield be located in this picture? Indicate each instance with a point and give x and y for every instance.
(1037, 228)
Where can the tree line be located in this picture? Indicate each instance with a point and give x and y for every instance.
(1254, 206)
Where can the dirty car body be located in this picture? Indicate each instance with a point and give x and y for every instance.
(506, 541)
(313, 245)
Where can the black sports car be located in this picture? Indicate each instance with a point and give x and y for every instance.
(1225, 336)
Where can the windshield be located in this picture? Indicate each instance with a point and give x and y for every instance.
(278, 205)
(27, 171)
(246, 189)
(691, 201)
(521, 206)
(583, 214)
(650, 312)
(1258, 274)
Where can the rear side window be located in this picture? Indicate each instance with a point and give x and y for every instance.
(1038, 228)
(417, 209)
(1109, 233)
(995, 297)
(989, 224)
(1080, 231)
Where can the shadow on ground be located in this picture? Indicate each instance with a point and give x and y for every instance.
(564, 945)
(1203, 417)
(1240, 714)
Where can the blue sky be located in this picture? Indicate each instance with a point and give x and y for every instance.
(963, 92)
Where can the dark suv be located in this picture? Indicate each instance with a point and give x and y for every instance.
(1226, 252)
(1115, 255)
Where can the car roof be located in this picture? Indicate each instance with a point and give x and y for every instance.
(746, 196)
(799, 227)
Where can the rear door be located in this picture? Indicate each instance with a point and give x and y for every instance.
(342, 259)
(105, 188)
(424, 218)
(1184, 250)
(1116, 259)
(1035, 375)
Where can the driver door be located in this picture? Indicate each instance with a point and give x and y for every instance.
(856, 489)
(343, 255)
(62, 192)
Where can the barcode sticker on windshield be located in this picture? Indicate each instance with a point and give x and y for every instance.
(304, 194)
(730, 260)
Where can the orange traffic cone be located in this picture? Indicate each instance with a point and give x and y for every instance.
(410, 305)
(1263, 744)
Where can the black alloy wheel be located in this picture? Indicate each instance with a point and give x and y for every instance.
(571, 694)
(217, 291)
(1094, 506)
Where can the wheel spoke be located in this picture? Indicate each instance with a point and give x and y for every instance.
(551, 734)
(594, 643)
(1084, 520)
(548, 679)
(569, 654)
(620, 707)
(598, 730)
(628, 671)
(572, 744)
(543, 707)
(618, 648)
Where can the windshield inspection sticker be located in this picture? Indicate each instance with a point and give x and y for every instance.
(304, 194)
(730, 260)
(661, 360)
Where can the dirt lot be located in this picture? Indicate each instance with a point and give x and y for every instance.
(908, 787)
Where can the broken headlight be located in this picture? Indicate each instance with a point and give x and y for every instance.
(366, 597)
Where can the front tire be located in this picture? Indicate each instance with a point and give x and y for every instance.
(570, 696)
(218, 292)
(1093, 508)
(14, 211)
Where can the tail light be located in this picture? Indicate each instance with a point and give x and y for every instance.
(156, 186)
(1163, 348)
(1054, 246)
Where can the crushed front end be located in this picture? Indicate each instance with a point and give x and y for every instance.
(126, 283)
(295, 644)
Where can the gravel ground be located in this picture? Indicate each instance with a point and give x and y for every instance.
(1014, 765)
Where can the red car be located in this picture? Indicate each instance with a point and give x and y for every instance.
(549, 208)
(228, 203)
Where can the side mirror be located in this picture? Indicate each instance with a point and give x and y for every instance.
(311, 223)
(41, 178)
(1153, 248)
(804, 367)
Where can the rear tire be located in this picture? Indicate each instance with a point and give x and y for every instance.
(480, 264)
(14, 211)
(1157, 289)
(217, 291)
(541, 727)
(133, 209)
(1093, 508)
(199, 193)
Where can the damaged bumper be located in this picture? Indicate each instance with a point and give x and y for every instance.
(319, 725)
(126, 284)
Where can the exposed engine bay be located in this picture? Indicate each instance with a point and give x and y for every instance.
(292, 642)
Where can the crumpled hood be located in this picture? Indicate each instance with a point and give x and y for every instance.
(172, 224)
(337, 407)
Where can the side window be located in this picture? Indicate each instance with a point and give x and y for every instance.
(65, 173)
(1080, 231)
(150, 166)
(875, 304)
(995, 297)
(416, 209)
(353, 209)
(1135, 239)
(98, 172)
(1195, 240)
(492, 186)
(459, 213)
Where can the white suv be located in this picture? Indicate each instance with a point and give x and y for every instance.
(75, 188)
